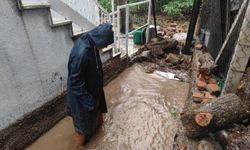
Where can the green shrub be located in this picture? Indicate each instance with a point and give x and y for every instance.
(175, 8)
(106, 4)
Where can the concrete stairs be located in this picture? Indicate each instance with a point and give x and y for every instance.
(56, 19)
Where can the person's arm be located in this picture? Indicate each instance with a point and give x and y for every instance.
(77, 82)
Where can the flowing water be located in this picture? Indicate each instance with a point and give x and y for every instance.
(143, 114)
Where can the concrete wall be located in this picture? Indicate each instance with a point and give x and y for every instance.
(33, 60)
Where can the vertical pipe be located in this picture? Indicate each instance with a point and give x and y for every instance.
(113, 11)
(127, 27)
(118, 28)
(154, 15)
(148, 22)
(101, 17)
(225, 17)
(194, 17)
(113, 23)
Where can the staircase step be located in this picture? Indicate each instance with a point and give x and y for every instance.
(77, 30)
(108, 48)
(58, 20)
(33, 4)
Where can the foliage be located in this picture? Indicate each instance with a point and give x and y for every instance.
(175, 8)
(174, 113)
(106, 4)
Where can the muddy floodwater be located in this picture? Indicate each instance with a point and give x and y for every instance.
(143, 114)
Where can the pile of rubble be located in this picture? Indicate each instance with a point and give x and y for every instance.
(207, 115)
(207, 87)
(163, 55)
(170, 27)
(244, 86)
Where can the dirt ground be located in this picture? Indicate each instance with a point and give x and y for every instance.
(143, 114)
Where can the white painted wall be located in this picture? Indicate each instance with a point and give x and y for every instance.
(87, 8)
(33, 61)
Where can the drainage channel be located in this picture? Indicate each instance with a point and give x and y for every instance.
(143, 114)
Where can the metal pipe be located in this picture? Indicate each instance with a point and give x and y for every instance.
(100, 7)
(154, 15)
(148, 21)
(131, 32)
(113, 11)
(118, 28)
(113, 23)
(134, 4)
(194, 17)
(127, 27)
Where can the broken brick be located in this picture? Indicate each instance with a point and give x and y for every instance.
(184, 147)
(173, 25)
(198, 96)
(172, 58)
(213, 88)
(241, 86)
(172, 29)
(202, 76)
(198, 46)
(209, 96)
(212, 81)
(205, 101)
(201, 84)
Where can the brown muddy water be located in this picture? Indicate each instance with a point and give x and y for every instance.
(143, 114)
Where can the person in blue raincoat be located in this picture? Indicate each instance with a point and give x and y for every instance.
(86, 99)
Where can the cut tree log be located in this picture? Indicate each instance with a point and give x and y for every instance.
(209, 117)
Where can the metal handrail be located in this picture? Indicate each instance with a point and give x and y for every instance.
(100, 7)
(134, 4)
(105, 16)
(126, 6)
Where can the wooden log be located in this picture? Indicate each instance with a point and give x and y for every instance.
(201, 119)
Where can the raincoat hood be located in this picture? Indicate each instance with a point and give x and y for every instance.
(101, 36)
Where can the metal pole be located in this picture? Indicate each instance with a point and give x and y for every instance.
(127, 27)
(113, 11)
(148, 22)
(194, 17)
(114, 25)
(118, 28)
(134, 4)
(154, 15)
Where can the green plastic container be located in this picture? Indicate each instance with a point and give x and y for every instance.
(139, 36)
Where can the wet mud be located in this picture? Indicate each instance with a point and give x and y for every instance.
(143, 114)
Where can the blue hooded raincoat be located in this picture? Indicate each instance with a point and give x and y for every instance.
(86, 99)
